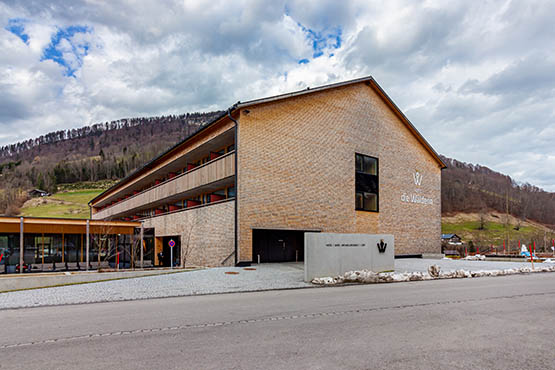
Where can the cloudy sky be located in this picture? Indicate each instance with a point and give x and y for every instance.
(477, 78)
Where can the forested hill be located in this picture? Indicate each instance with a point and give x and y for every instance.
(102, 151)
(109, 137)
(470, 188)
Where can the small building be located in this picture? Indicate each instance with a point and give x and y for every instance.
(35, 244)
(339, 158)
(35, 193)
(451, 239)
(451, 245)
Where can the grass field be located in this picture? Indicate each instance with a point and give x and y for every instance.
(494, 233)
(77, 196)
(67, 204)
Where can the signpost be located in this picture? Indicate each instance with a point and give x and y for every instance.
(171, 243)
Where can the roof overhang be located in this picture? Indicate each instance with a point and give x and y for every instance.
(39, 225)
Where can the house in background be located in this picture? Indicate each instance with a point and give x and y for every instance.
(36, 193)
(450, 244)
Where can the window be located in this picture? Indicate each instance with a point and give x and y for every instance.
(220, 192)
(366, 183)
(231, 192)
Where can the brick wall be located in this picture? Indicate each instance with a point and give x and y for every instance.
(210, 231)
(296, 169)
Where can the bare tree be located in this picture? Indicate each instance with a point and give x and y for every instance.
(186, 244)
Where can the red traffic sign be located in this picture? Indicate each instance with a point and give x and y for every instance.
(171, 243)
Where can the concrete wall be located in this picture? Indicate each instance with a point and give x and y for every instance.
(330, 255)
(209, 232)
(296, 169)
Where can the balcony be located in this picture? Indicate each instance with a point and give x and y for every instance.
(209, 175)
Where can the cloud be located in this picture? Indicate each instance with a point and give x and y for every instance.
(476, 78)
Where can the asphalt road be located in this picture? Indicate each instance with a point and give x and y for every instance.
(487, 323)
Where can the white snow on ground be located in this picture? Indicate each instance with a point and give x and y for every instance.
(477, 257)
(434, 272)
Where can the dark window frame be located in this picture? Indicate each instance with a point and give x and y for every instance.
(376, 181)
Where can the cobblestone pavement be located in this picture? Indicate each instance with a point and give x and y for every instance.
(209, 281)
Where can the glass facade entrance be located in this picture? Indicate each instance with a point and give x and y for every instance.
(63, 252)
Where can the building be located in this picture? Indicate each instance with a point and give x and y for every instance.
(35, 244)
(451, 239)
(338, 158)
(38, 193)
(451, 245)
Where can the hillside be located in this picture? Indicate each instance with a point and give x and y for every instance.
(469, 188)
(104, 151)
(495, 229)
(71, 201)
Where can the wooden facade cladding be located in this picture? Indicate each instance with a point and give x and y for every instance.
(34, 225)
(213, 171)
(212, 132)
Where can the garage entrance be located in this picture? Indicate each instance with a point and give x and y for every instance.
(277, 245)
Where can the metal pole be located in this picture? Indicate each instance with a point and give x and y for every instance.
(21, 261)
(171, 257)
(88, 245)
(141, 246)
(117, 252)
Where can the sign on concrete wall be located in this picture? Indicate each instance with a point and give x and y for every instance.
(331, 254)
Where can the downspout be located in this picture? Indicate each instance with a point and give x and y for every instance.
(235, 183)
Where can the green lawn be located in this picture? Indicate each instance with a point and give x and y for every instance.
(74, 205)
(494, 233)
(77, 196)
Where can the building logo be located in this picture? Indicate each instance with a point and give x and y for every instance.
(381, 246)
(417, 176)
(416, 196)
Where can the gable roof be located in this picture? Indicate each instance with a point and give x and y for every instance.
(369, 80)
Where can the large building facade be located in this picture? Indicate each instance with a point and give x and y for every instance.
(338, 158)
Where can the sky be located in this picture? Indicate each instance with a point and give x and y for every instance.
(477, 78)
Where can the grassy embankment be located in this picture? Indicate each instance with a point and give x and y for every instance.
(467, 226)
(69, 202)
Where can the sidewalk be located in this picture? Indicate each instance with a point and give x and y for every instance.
(210, 281)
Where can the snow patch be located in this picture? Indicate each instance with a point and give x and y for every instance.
(476, 257)
(434, 272)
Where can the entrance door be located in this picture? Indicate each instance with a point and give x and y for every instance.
(168, 241)
(278, 245)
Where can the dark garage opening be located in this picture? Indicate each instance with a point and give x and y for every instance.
(277, 245)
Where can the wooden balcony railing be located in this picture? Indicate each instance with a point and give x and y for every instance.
(215, 170)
